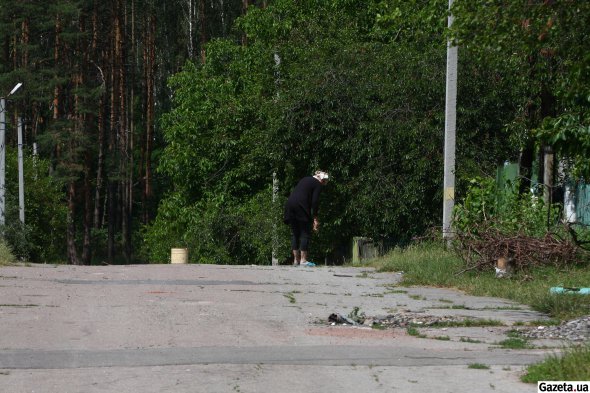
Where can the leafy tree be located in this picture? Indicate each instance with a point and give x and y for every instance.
(355, 89)
(541, 48)
(42, 238)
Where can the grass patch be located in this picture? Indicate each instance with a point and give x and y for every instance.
(514, 334)
(467, 323)
(290, 296)
(6, 255)
(452, 307)
(515, 308)
(470, 340)
(442, 338)
(392, 288)
(572, 365)
(478, 366)
(378, 326)
(357, 316)
(412, 331)
(515, 340)
(432, 265)
(515, 343)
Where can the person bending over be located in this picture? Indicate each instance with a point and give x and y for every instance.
(301, 213)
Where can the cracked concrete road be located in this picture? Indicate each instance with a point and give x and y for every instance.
(209, 328)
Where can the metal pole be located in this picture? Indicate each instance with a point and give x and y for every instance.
(35, 158)
(275, 238)
(450, 128)
(2, 157)
(21, 177)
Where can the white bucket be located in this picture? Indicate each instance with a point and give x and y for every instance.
(179, 255)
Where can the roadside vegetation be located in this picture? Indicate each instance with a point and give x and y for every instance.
(496, 222)
(569, 366)
(431, 264)
(6, 255)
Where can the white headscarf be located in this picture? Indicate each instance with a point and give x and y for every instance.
(321, 175)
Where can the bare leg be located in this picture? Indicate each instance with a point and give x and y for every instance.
(296, 257)
(303, 257)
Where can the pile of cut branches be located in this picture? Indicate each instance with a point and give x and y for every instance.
(482, 246)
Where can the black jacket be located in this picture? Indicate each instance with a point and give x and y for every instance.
(304, 200)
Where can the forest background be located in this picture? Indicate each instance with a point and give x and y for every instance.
(164, 124)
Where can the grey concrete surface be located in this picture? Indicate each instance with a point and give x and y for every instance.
(208, 328)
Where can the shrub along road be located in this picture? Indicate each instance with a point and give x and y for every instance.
(209, 328)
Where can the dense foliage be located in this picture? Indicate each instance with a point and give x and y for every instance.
(42, 237)
(94, 79)
(542, 48)
(354, 89)
(490, 205)
(264, 89)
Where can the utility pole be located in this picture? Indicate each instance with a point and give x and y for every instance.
(21, 177)
(2, 157)
(450, 128)
(275, 236)
(3, 152)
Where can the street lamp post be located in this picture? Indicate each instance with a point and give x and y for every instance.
(21, 174)
(450, 127)
(3, 151)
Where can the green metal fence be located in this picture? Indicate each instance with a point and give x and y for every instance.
(508, 173)
(582, 199)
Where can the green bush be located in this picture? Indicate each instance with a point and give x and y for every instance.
(42, 238)
(216, 232)
(496, 222)
(489, 206)
(6, 255)
(432, 265)
(572, 365)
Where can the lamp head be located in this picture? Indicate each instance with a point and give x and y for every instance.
(18, 85)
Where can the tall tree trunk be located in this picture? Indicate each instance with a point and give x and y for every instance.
(202, 30)
(25, 42)
(548, 109)
(192, 22)
(71, 226)
(548, 174)
(15, 50)
(85, 123)
(124, 142)
(131, 133)
(244, 11)
(112, 216)
(150, 65)
(56, 90)
(87, 240)
(98, 222)
(98, 56)
(115, 129)
(527, 156)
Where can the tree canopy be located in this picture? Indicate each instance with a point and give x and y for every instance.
(357, 90)
(164, 124)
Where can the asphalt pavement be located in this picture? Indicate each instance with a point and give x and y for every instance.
(211, 328)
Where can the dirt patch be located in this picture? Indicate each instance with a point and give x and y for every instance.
(351, 332)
